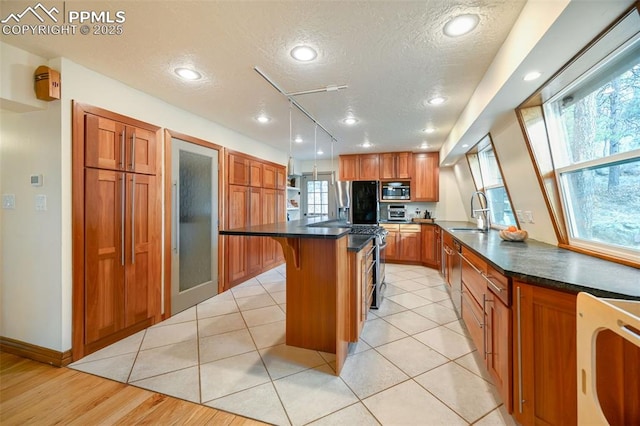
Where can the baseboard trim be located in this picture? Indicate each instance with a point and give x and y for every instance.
(35, 352)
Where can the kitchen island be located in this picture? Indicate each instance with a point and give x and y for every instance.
(317, 282)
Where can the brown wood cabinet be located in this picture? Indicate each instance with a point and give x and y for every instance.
(369, 167)
(430, 245)
(425, 184)
(116, 227)
(544, 356)
(349, 167)
(403, 243)
(255, 203)
(238, 170)
(360, 288)
(488, 319)
(396, 165)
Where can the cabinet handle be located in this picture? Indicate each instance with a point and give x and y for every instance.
(484, 329)
(519, 336)
(174, 213)
(122, 150)
(133, 151)
(480, 323)
(472, 265)
(133, 220)
(495, 287)
(122, 209)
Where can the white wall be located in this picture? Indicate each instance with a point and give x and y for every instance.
(36, 246)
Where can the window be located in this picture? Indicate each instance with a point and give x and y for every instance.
(317, 197)
(591, 113)
(488, 179)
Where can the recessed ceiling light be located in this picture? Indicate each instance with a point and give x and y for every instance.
(303, 53)
(461, 24)
(438, 100)
(298, 139)
(424, 145)
(188, 74)
(429, 130)
(533, 75)
(350, 121)
(263, 119)
(465, 145)
(366, 144)
(320, 152)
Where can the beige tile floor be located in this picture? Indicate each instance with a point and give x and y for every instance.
(413, 365)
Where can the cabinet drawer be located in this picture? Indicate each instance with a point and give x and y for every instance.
(410, 228)
(474, 280)
(473, 318)
(498, 284)
(391, 227)
(474, 259)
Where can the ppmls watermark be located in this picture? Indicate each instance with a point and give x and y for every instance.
(57, 20)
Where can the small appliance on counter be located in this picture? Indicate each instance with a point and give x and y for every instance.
(397, 213)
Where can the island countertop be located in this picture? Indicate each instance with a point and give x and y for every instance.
(549, 266)
(292, 229)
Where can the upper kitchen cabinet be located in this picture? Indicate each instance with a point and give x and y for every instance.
(117, 146)
(369, 167)
(239, 169)
(396, 165)
(257, 173)
(425, 184)
(349, 167)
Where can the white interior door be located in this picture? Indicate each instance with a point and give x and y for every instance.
(194, 197)
(318, 196)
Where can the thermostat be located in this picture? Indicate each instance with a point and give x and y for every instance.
(36, 180)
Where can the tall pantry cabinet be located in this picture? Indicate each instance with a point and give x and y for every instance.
(117, 226)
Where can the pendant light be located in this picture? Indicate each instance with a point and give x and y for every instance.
(315, 152)
(290, 163)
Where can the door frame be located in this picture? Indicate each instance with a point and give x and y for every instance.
(78, 347)
(168, 213)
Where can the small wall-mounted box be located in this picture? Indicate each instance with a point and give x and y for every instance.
(47, 83)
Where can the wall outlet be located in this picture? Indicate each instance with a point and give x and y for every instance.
(528, 215)
(8, 201)
(41, 202)
(520, 215)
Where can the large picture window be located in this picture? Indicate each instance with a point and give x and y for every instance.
(591, 112)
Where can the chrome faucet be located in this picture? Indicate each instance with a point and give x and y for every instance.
(482, 217)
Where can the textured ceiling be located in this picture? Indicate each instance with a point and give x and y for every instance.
(392, 55)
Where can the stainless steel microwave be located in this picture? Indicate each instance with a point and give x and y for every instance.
(396, 191)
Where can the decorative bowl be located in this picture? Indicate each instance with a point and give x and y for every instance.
(519, 235)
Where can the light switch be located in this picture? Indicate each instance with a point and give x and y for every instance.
(8, 201)
(528, 216)
(41, 202)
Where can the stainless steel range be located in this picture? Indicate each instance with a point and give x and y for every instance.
(380, 244)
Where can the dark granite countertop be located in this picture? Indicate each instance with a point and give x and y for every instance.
(292, 229)
(549, 266)
(357, 242)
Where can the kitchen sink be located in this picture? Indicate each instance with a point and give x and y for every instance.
(466, 230)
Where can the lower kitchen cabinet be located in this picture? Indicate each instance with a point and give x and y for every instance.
(544, 354)
(360, 288)
(403, 243)
(430, 246)
(486, 313)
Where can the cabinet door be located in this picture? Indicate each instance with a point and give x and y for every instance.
(369, 167)
(141, 146)
(281, 178)
(104, 143)
(255, 173)
(429, 246)
(391, 251)
(142, 289)
(104, 253)
(269, 211)
(425, 182)
(404, 165)
(544, 349)
(238, 169)
(388, 166)
(269, 176)
(254, 244)
(349, 167)
(410, 246)
(498, 346)
(237, 217)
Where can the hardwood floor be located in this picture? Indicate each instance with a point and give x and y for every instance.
(36, 393)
